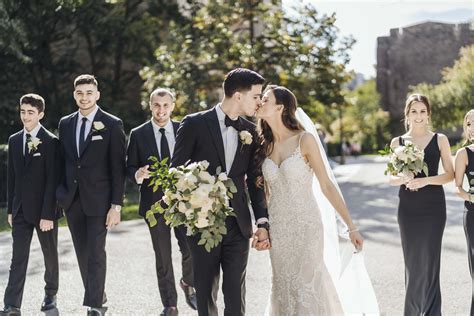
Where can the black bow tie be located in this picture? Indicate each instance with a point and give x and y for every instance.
(235, 124)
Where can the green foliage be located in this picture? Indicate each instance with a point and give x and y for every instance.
(46, 44)
(454, 95)
(193, 198)
(364, 121)
(301, 51)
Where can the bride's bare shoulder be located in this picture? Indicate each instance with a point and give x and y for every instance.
(307, 142)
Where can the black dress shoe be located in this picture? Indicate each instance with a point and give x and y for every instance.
(169, 311)
(49, 303)
(96, 311)
(9, 310)
(189, 294)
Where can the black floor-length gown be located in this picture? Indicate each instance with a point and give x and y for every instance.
(422, 218)
(469, 222)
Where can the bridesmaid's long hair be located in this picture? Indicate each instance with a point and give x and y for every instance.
(413, 98)
(467, 140)
(265, 138)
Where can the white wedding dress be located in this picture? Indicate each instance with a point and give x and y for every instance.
(301, 283)
(315, 270)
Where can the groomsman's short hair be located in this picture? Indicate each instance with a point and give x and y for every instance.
(85, 79)
(161, 92)
(240, 79)
(35, 100)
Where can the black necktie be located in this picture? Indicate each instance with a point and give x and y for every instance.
(82, 141)
(234, 123)
(164, 148)
(27, 151)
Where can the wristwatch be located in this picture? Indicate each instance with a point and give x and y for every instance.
(116, 208)
(265, 225)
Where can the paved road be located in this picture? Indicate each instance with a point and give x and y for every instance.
(131, 281)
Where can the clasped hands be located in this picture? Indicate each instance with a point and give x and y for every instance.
(412, 183)
(261, 239)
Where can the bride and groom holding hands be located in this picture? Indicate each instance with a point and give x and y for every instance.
(286, 173)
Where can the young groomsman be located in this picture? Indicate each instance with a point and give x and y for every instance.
(157, 138)
(32, 180)
(91, 190)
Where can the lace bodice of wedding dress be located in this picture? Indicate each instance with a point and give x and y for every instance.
(301, 284)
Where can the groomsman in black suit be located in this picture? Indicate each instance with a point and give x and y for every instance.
(32, 180)
(92, 144)
(218, 136)
(157, 138)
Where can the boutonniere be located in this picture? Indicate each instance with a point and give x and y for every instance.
(98, 126)
(33, 144)
(245, 137)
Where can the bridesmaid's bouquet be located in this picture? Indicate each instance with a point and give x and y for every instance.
(193, 198)
(405, 159)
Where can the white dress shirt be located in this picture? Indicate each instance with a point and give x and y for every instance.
(229, 137)
(170, 137)
(33, 133)
(231, 141)
(90, 119)
(169, 133)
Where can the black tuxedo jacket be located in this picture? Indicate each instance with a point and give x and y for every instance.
(99, 172)
(142, 145)
(32, 180)
(199, 138)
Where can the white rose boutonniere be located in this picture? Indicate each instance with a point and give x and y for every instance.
(98, 126)
(245, 137)
(33, 144)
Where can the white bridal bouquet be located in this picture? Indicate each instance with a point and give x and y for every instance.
(405, 159)
(193, 198)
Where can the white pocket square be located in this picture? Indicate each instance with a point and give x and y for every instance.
(96, 137)
(37, 155)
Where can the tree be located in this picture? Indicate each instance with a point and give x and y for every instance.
(301, 51)
(454, 95)
(46, 44)
(364, 120)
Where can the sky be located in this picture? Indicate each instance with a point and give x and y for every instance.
(367, 20)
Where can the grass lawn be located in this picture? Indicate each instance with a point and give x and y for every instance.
(129, 212)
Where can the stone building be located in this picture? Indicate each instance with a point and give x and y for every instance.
(416, 54)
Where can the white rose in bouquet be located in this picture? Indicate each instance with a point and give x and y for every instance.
(400, 154)
(206, 177)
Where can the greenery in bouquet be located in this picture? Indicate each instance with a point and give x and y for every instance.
(193, 198)
(405, 159)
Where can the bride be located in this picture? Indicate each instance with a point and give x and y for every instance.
(310, 276)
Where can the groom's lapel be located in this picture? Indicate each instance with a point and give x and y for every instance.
(149, 136)
(97, 118)
(239, 150)
(71, 129)
(213, 124)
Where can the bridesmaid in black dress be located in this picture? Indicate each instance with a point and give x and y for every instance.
(422, 210)
(464, 165)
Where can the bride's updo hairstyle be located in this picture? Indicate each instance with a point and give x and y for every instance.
(265, 139)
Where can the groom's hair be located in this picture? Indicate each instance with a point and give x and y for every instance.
(240, 79)
(35, 100)
(85, 79)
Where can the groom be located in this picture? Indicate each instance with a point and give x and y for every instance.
(92, 144)
(216, 136)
